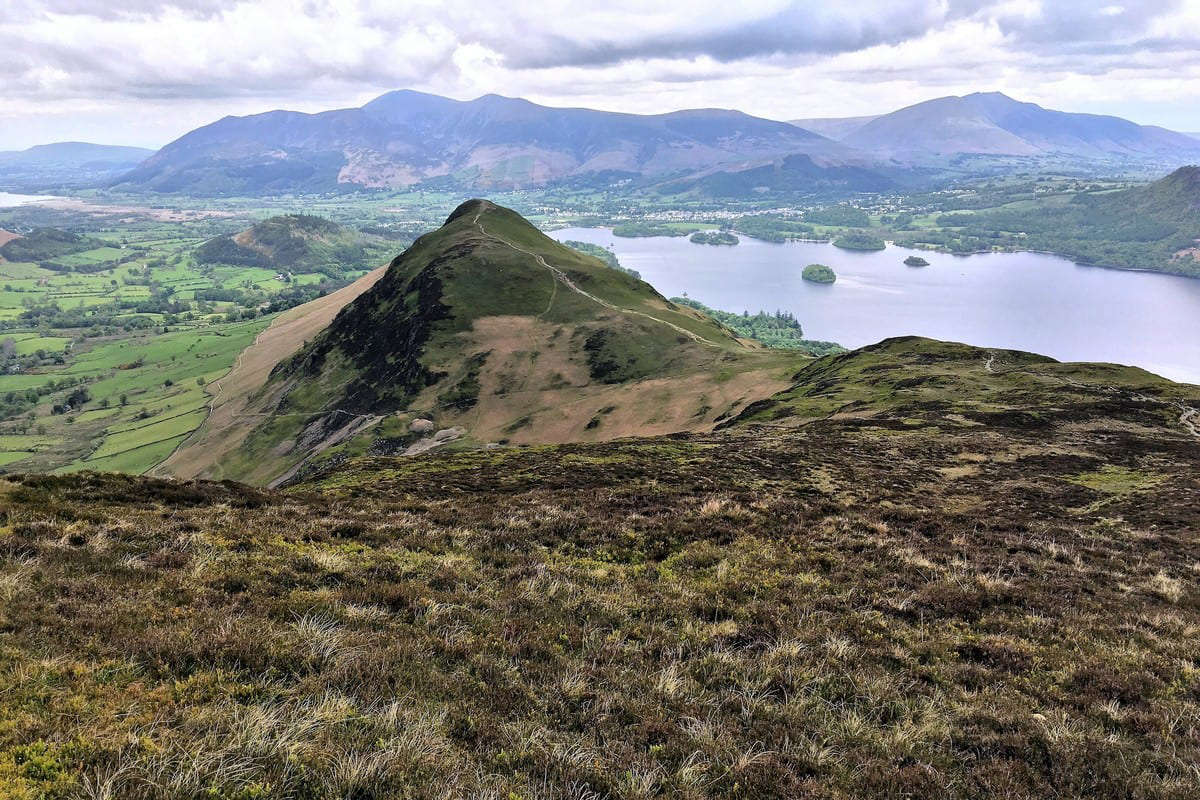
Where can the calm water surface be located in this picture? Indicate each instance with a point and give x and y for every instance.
(10, 200)
(1025, 301)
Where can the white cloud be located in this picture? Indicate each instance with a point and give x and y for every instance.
(87, 68)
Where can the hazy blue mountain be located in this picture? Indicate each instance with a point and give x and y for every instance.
(78, 153)
(995, 124)
(66, 164)
(834, 127)
(791, 175)
(407, 137)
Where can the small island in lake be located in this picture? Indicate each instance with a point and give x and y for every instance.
(714, 237)
(915, 261)
(858, 240)
(818, 273)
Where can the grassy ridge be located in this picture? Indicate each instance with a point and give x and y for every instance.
(413, 342)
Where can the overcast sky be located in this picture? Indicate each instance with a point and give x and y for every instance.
(146, 71)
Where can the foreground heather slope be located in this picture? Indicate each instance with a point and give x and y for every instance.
(927, 570)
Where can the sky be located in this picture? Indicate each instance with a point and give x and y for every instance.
(143, 72)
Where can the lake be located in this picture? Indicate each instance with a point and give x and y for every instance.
(1024, 301)
(11, 200)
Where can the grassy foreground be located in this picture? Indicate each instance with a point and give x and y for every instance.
(902, 603)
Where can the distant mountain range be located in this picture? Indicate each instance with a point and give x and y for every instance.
(994, 124)
(67, 164)
(833, 127)
(407, 137)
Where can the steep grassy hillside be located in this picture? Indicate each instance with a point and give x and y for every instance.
(490, 328)
(294, 243)
(976, 579)
(223, 429)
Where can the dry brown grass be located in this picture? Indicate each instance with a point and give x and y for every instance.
(535, 390)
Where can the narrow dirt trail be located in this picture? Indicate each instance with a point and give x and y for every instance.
(562, 278)
(1189, 417)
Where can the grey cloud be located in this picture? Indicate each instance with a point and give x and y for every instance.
(1066, 36)
(1060, 23)
(800, 28)
(108, 9)
(821, 28)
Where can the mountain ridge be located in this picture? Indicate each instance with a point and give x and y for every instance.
(406, 137)
(994, 124)
(67, 165)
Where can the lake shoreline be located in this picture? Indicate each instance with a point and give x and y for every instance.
(1021, 300)
(1064, 256)
(922, 247)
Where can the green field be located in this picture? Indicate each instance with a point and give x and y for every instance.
(138, 326)
(30, 343)
(98, 256)
(147, 392)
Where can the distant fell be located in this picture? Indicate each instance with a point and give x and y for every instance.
(293, 243)
(993, 124)
(834, 127)
(66, 165)
(81, 153)
(44, 244)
